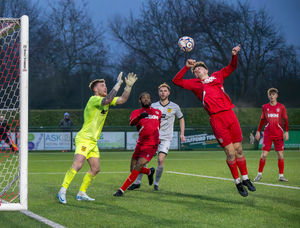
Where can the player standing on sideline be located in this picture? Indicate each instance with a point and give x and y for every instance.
(272, 115)
(225, 125)
(169, 110)
(4, 134)
(95, 114)
(147, 121)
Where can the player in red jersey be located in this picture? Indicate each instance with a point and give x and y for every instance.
(224, 123)
(147, 121)
(272, 115)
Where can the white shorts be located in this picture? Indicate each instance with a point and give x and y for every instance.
(164, 146)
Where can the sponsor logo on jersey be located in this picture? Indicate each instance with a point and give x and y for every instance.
(83, 148)
(169, 110)
(152, 117)
(163, 115)
(208, 80)
(273, 115)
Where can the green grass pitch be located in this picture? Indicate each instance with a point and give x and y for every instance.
(182, 201)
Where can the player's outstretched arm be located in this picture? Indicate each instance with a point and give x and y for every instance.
(109, 98)
(130, 80)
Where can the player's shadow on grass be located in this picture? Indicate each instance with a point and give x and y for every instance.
(248, 201)
(279, 199)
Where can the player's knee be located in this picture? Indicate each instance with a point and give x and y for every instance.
(95, 170)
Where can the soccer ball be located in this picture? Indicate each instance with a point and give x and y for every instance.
(186, 43)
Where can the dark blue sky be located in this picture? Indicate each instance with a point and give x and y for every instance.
(286, 14)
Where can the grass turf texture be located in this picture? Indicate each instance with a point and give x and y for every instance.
(182, 201)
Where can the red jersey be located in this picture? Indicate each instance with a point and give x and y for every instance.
(272, 116)
(148, 127)
(210, 91)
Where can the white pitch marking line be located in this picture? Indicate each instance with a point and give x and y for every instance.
(57, 173)
(42, 219)
(230, 179)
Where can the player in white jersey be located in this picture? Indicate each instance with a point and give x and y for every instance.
(169, 110)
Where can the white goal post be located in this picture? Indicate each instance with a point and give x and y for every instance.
(14, 48)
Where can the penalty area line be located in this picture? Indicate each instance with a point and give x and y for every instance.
(42, 219)
(230, 179)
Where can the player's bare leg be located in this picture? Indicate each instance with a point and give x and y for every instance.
(281, 166)
(94, 164)
(76, 166)
(160, 168)
(242, 165)
(231, 162)
(262, 162)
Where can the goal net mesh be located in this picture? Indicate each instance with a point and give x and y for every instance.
(9, 109)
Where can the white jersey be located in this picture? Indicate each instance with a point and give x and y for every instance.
(168, 113)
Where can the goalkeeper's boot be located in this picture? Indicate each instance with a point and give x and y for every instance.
(258, 178)
(283, 179)
(249, 185)
(150, 176)
(243, 192)
(119, 193)
(82, 196)
(61, 195)
(134, 186)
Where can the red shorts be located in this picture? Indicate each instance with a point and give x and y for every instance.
(267, 143)
(226, 127)
(144, 151)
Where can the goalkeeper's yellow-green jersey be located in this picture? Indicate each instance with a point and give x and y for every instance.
(94, 118)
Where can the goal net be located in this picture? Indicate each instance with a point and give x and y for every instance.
(13, 113)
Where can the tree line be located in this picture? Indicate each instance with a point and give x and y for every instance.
(68, 50)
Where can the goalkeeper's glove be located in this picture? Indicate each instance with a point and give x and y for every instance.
(119, 82)
(130, 80)
(143, 115)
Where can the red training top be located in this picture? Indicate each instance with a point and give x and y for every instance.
(148, 127)
(272, 116)
(210, 91)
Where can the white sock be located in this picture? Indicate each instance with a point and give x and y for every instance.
(259, 174)
(63, 190)
(237, 180)
(245, 177)
(280, 175)
(139, 179)
(159, 171)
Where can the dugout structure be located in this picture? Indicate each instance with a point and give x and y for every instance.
(14, 108)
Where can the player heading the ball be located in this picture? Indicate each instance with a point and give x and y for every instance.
(224, 123)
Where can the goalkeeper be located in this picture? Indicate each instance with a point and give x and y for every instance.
(95, 114)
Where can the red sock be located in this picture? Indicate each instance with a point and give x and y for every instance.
(241, 163)
(281, 165)
(233, 168)
(130, 179)
(262, 163)
(145, 170)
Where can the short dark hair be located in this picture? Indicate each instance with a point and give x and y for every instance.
(272, 90)
(142, 94)
(94, 82)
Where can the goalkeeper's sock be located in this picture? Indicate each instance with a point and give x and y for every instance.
(233, 168)
(261, 166)
(70, 174)
(88, 178)
(131, 178)
(241, 163)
